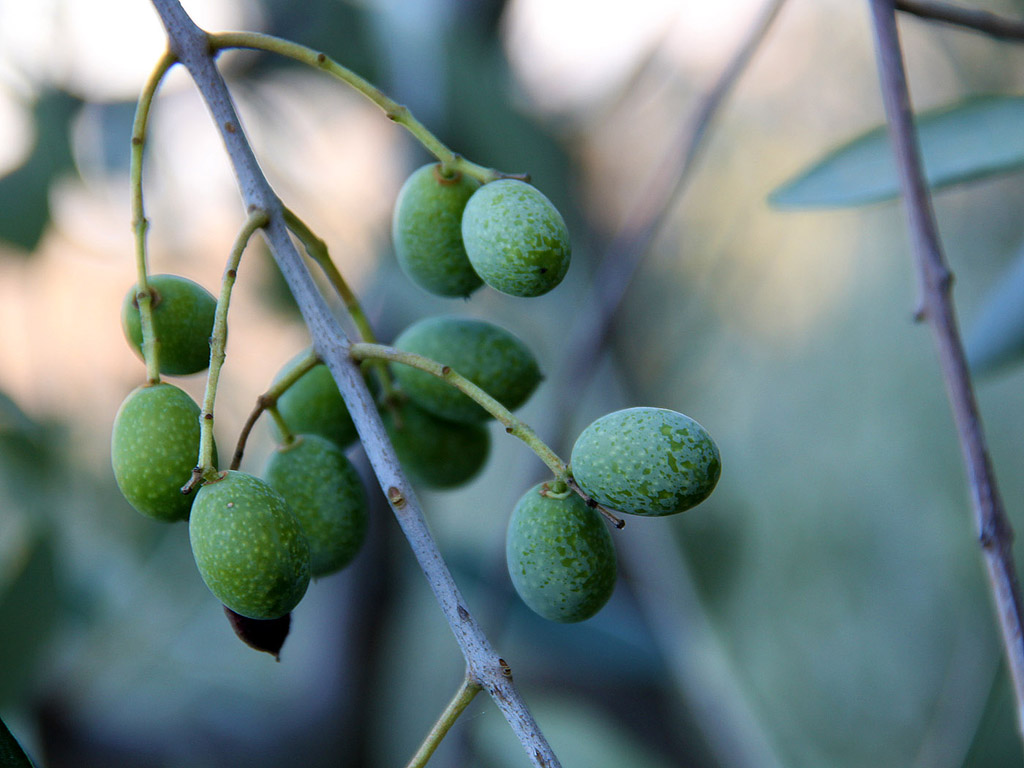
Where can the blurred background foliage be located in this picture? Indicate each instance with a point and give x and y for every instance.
(827, 606)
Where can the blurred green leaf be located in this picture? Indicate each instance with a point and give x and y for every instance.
(997, 337)
(972, 139)
(997, 742)
(579, 733)
(24, 193)
(11, 753)
(28, 612)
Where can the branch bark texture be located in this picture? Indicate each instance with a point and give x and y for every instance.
(985, 22)
(936, 307)
(190, 45)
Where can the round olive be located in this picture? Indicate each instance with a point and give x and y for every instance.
(248, 546)
(436, 452)
(560, 555)
(154, 446)
(326, 494)
(313, 405)
(515, 238)
(183, 313)
(646, 461)
(427, 231)
(491, 357)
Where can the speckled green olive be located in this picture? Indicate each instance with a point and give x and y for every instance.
(515, 238)
(489, 356)
(646, 461)
(560, 555)
(313, 405)
(248, 546)
(182, 318)
(326, 495)
(154, 446)
(435, 452)
(427, 231)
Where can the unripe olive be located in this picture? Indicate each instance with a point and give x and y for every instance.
(515, 238)
(427, 231)
(326, 495)
(560, 555)
(489, 356)
(313, 405)
(183, 313)
(248, 546)
(646, 461)
(154, 446)
(436, 452)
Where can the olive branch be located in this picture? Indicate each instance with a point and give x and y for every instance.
(485, 670)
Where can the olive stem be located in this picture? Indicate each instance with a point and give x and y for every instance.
(192, 46)
(268, 400)
(395, 112)
(287, 437)
(219, 340)
(995, 531)
(143, 295)
(513, 425)
(317, 250)
(986, 22)
(463, 696)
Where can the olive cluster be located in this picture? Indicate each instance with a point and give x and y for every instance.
(453, 234)
(257, 541)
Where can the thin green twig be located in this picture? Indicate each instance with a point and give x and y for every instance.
(513, 424)
(218, 345)
(268, 402)
(317, 250)
(397, 113)
(150, 342)
(467, 691)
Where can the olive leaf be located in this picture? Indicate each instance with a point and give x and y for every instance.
(11, 753)
(972, 139)
(996, 338)
(24, 192)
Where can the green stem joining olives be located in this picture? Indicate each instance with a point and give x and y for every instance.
(491, 357)
(513, 425)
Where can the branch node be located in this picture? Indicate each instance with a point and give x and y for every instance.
(397, 500)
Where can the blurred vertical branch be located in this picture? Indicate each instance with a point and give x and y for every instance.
(936, 307)
(628, 248)
(980, 21)
(699, 663)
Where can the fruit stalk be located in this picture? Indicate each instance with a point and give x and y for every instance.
(513, 425)
(467, 691)
(268, 402)
(395, 112)
(219, 340)
(150, 344)
(317, 250)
